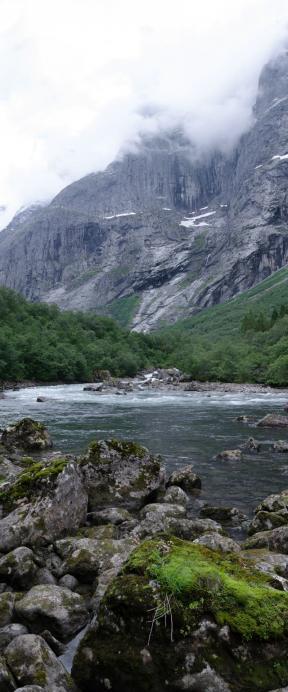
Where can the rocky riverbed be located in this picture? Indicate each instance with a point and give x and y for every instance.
(105, 545)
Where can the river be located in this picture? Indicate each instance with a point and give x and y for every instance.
(185, 427)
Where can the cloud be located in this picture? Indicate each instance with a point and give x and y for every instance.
(79, 78)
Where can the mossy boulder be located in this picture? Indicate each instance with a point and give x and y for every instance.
(18, 567)
(33, 663)
(185, 478)
(271, 513)
(27, 434)
(179, 611)
(9, 632)
(7, 602)
(119, 473)
(54, 608)
(7, 681)
(86, 558)
(49, 501)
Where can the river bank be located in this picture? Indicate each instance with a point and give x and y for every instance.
(111, 544)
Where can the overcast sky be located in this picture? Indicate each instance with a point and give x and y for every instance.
(78, 78)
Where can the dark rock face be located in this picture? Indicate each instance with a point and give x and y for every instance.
(176, 231)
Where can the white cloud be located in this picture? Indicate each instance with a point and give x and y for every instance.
(77, 76)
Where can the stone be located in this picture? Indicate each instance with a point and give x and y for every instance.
(86, 558)
(59, 506)
(69, 582)
(7, 681)
(55, 608)
(185, 478)
(229, 455)
(112, 515)
(7, 601)
(93, 387)
(273, 420)
(224, 515)
(251, 445)
(264, 521)
(18, 567)
(9, 632)
(280, 446)
(27, 434)
(33, 663)
(176, 526)
(162, 510)
(30, 688)
(54, 643)
(274, 503)
(120, 474)
(214, 541)
(44, 576)
(175, 495)
(275, 540)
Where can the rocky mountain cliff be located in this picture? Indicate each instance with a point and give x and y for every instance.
(161, 233)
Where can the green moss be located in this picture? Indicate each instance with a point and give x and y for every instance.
(30, 482)
(228, 587)
(126, 448)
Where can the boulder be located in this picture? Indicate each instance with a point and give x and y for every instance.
(55, 608)
(7, 601)
(163, 616)
(185, 478)
(229, 455)
(251, 445)
(224, 515)
(44, 576)
(93, 387)
(9, 632)
(7, 682)
(280, 446)
(33, 663)
(120, 474)
(216, 542)
(264, 521)
(58, 504)
(29, 688)
(274, 503)
(176, 526)
(273, 420)
(27, 434)
(175, 495)
(112, 515)
(18, 567)
(86, 558)
(69, 582)
(162, 510)
(275, 540)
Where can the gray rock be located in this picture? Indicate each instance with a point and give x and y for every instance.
(54, 607)
(189, 529)
(18, 567)
(7, 601)
(69, 582)
(280, 446)
(229, 455)
(27, 434)
(216, 542)
(205, 681)
(7, 681)
(44, 576)
(86, 558)
(273, 420)
(185, 478)
(118, 473)
(275, 540)
(175, 495)
(9, 632)
(224, 515)
(162, 510)
(60, 507)
(33, 663)
(112, 515)
(30, 688)
(264, 521)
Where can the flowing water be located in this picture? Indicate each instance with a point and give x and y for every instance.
(185, 427)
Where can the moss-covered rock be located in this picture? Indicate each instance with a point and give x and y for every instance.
(53, 607)
(7, 681)
(120, 474)
(33, 663)
(7, 601)
(179, 609)
(27, 434)
(18, 567)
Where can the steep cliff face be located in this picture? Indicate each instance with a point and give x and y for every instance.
(160, 233)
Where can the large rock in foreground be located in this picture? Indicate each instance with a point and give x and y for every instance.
(55, 608)
(54, 503)
(27, 434)
(180, 616)
(118, 473)
(33, 663)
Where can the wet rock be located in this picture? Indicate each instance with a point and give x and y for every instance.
(162, 510)
(112, 515)
(86, 558)
(120, 474)
(224, 515)
(18, 567)
(274, 503)
(273, 420)
(93, 387)
(242, 419)
(58, 505)
(264, 521)
(7, 682)
(280, 446)
(175, 495)
(229, 455)
(27, 434)
(185, 478)
(275, 540)
(54, 607)
(41, 399)
(251, 445)
(9, 632)
(216, 542)
(7, 601)
(33, 663)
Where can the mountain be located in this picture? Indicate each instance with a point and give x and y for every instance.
(162, 232)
